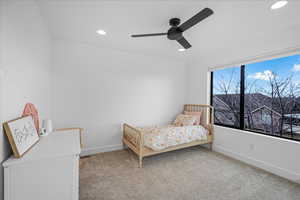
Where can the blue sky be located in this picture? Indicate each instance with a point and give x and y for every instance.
(283, 67)
(261, 71)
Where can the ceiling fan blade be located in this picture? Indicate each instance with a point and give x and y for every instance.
(151, 34)
(184, 43)
(206, 12)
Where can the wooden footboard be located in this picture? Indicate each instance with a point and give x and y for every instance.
(134, 138)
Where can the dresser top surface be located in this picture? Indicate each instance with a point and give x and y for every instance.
(56, 144)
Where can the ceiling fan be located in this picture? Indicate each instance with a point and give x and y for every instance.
(176, 31)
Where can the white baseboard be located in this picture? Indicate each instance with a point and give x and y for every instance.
(295, 177)
(95, 150)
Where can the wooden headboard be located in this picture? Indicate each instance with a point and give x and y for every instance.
(207, 112)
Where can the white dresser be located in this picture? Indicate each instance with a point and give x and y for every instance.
(49, 171)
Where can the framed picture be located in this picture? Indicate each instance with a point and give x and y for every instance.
(22, 134)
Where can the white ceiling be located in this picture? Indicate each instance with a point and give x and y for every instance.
(235, 24)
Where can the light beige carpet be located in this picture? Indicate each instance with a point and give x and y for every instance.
(194, 173)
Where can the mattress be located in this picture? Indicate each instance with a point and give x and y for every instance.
(159, 138)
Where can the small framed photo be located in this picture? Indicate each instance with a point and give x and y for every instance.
(22, 134)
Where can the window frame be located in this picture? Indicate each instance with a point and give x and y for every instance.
(242, 106)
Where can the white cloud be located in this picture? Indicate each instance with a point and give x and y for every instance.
(296, 68)
(266, 75)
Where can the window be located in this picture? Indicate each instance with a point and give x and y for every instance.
(263, 97)
(226, 99)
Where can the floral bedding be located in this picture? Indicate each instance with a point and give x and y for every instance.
(159, 138)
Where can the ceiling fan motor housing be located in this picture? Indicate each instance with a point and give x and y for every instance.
(174, 33)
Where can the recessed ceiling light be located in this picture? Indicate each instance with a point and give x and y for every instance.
(278, 4)
(101, 32)
(181, 49)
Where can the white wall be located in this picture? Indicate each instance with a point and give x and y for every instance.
(279, 156)
(197, 83)
(24, 66)
(99, 89)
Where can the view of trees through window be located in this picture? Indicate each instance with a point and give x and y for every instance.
(226, 99)
(262, 97)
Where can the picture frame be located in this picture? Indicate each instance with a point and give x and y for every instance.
(22, 135)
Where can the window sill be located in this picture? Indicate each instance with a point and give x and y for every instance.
(259, 134)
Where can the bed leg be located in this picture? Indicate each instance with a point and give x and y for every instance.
(124, 145)
(140, 162)
(211, 146)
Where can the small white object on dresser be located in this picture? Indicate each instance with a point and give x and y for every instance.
(50, 170)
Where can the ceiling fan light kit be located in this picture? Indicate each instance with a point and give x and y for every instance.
(176, 30)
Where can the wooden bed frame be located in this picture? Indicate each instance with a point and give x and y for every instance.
(134, 138)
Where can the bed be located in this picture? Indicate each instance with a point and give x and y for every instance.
(137, 139)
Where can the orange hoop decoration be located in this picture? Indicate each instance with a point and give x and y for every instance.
(31, 110)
